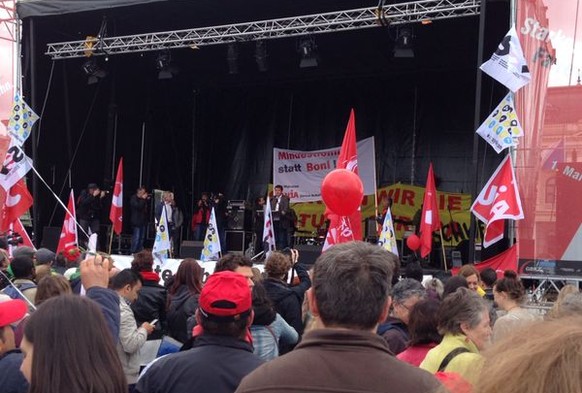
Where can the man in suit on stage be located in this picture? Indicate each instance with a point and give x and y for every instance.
(280, 209)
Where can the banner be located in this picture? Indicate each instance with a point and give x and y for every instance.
(268, 232)
(211, 250)
(387, 238)
(116, 212)
(430, 220)
(501, 128)
(16, 166)
(69, 237)
(406, 202)
(301, 172)
(17, 201)
(21, 121)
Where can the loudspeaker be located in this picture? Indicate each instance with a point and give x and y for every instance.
(237, 241)
(308, 254)
(191, 249)
(50, 238)
(239, 219)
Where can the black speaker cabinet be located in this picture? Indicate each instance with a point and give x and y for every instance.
(50, 238)
(308, 253)
(237, 241)
(239, 219)
(191, 249)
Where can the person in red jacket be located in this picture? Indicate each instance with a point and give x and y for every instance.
(201, 217)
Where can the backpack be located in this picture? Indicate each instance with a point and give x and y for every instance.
(13, 293)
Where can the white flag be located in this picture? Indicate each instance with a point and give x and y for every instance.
(16, 166)
(387, 238)
(162, 243)
(92, 244)
(21, 120)
(502, 127)
(507, 65)
(268, 232)
(211, 250)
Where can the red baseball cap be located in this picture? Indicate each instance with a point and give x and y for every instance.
(226, 297)
(12, 311)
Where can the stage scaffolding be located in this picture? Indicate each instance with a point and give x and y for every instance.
(387, 15)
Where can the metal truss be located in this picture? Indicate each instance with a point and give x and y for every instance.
(390, 14)
(8, 26)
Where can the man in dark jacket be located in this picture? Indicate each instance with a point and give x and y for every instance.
(89, 206)
(350, 297)
(221, 356)
(11, 379)
(286, 299)
(139, 218)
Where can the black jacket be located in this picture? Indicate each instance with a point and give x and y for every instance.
(139, 211)
(88, 206)
(150, 305)
(182, 306)
(11, 379)
(288, 300)
(216, 364)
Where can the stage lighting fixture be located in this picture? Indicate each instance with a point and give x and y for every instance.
(308, 50)
(232, 59)
(404, 45)
(261, 56)
(164, 66)
(93, 71)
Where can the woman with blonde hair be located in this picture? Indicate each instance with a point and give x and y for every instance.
(547, 358)
(555, 312)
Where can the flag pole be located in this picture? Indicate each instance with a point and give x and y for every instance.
(110, 241)
(443, 248)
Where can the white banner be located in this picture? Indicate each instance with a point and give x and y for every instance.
(301, 172)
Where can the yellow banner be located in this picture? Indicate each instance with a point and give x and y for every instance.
(406, 201)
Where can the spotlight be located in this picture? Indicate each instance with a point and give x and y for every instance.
(261, 56)
(93, 71)
(404, 44)
(308, 50)
(164, 66)
(232, 59)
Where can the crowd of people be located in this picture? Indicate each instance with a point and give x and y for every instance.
(349, 323)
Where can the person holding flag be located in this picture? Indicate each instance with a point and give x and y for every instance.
(89, 207)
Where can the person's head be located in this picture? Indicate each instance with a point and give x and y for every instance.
(225, 305)
(141, 191)
(454, 283)
(434, 288)
(262, 306)
(22, 267)
(508, 291)
(24, 251)
(204, 196)
(260, 201)
(555, 312)
(465, 312)
(127, 283)
(4, 260)
(168, 196)
(351, 286)
(236, 263)
(472, 276)
(67, 347)
(414, 270)
(42, 271)
(44, 256)
(278, 190)
(277, 265)
(11, 311)
(91, 187)
(143, 261)
(571, 305)
(488, 277)
(189, 274)
(51, 286)
(422, 325)
(405, 294)
(546, 358)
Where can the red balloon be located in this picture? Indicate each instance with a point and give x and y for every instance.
(413, 242)
(342, 191)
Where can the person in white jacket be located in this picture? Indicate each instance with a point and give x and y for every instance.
(127, 284)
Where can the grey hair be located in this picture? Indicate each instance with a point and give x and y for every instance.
(461, 306)
(407, 288)
(571, 305)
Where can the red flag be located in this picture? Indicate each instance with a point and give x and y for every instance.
(344, 229)
(499, 200)
(69, 232)
(16, 203)
(507, 260)
(430, 220)
(17, 227)
(116, 213)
